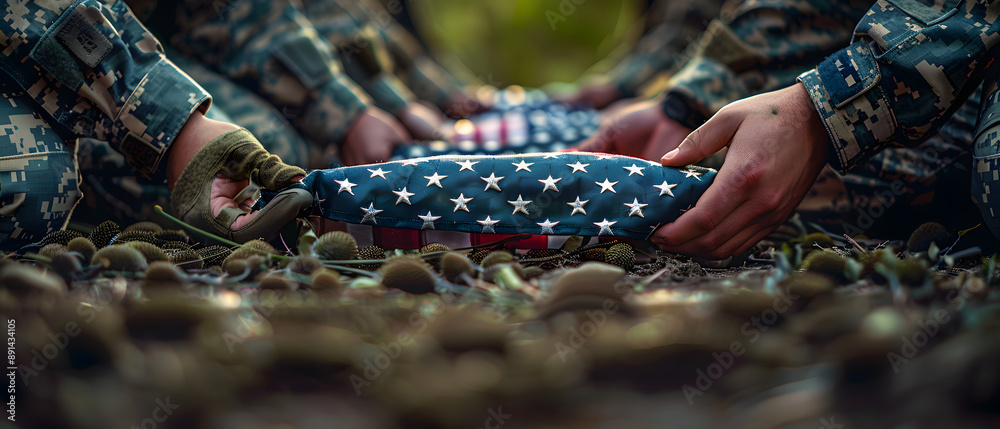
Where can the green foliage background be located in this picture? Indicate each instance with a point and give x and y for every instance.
(506, 42)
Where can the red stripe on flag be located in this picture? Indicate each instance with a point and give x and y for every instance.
(396, 238)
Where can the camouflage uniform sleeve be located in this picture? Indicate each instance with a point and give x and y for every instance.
(910, 66)
(756, 47)
(673, 26)
(415, 66)
(99, 73)
(273, 49)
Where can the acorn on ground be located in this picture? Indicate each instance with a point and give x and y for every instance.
(477, 256)
(598, 254)
(162, 275)
(912, 272)
(276, 283)
(214, 256)
(409, 274)
(621, 255)
(827, 262)
(434, 261)
(135, 235)
(149, 251)
(454, 264)
(371, 253)
(817, 238)
(924, 235)
(51, 250)
(808, 284)
(305, 265)
(325, 279)
(83, 246)
(186, 259)
(495, 258)
(62, 236)
(336, 245)
(248, 249)
(542, 253)
(102, 235)
(120, 257)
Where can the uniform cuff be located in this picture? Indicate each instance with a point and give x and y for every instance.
(154, 114)
(854, 109)
(677, 107)
(389, 93)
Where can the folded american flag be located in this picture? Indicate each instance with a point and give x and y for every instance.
(567, 193)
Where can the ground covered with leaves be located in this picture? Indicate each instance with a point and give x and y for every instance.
(148, 327)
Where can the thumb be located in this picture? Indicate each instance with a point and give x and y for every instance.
(704, 141)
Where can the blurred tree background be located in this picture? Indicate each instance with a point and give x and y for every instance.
(528, 42)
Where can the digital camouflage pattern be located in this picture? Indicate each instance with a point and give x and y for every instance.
(355, 32)
(83, 69)
(38, 173)
(96, 72)
(237, 104)
(671, 27)
(273, 49)
(760, 46)
(986, 150)
(407, 58)
(910, 67)
(905, 73)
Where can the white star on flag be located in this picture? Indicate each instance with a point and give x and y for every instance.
(665, 188)
(492, 182)
(404, 197)
(428, 220)
(605, 227)
(378, 173)
(345, 185)
(370, 213)
(467, 165)
(460, 203)
(691, 173)
(550, 183)
(488, 225)
(578, 206)
(635, 169)
(547, 226)
(435, 180)
(522, 165)
(635, 209)
(607, 186)
(519, 205)
(578, 167)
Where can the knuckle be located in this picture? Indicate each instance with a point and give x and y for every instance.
(749, 176)
(714, 243)
(705, 221)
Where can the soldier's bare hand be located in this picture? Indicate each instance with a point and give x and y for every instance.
(641, 130)
(372, 137)
(423, 122)
(777, 147)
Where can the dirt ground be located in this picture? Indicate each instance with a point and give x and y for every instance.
(151, 329)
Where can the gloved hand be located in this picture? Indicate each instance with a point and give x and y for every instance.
(220, 183)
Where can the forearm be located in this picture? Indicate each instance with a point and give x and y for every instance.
(925, 64)
(117, 87)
